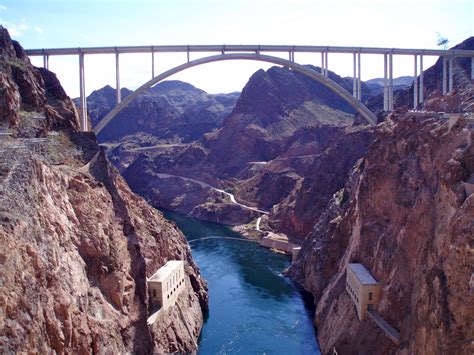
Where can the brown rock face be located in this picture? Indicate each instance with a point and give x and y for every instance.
(295, 216)
(406, 215)
(77, 244)
(30, 89)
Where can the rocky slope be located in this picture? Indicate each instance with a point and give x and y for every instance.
(77, 244)
(406, 214)
(296, 214)
(171, 111)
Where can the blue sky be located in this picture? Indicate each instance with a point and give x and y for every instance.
(86, 23)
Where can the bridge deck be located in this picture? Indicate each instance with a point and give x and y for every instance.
(247, 48)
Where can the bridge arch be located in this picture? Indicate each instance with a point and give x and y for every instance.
(343, 93)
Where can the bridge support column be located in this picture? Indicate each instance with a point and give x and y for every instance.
(385, 82)
(421, 79)
(354, 77)
(152, 63)
(82, 89)
(117, 78)
(390, 82)
(472, 68)
(322, 64)
(415, 84)
(359, 81)
(451, 78)
(445, 77)
(46, 61)
(326, 70)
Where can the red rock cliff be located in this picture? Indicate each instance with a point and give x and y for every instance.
(406, 215)
(77, 244)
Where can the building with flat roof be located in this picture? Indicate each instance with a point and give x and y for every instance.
(166, 284)
(363, 289)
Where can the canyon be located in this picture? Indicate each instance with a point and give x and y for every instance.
(79, 244)
(283, 127)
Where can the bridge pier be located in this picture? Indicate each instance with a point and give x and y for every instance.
(326, 70)
(472, 68)
(415, 84)
(354, 83)
(450, 74)
(390, 82)
(324, 63)
(421, 79)
(82, 90)
(46, 61)
(117, 78)
(385, 82)
(356, 80)
(291, 56)
(445, 76)
(359, 81)
(152, 63)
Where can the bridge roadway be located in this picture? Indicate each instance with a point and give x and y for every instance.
(388, 53)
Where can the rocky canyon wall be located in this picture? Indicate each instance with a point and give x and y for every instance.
(407, 214)
(77, 244)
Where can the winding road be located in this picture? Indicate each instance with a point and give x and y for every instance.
(231, 196)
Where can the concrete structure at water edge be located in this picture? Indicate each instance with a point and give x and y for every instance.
(362, 287)
(280, 243)
(166, 284)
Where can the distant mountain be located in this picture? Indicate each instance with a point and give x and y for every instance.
(376, 85)
(274, 105)
(172, 111)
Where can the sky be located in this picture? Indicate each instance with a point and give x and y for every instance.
(90, 23)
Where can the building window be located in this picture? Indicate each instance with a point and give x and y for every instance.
(370, 296)
(154, 293)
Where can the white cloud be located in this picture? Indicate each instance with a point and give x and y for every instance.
(3, 8)
(38, 29)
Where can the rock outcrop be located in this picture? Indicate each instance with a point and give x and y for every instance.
(77, 244)
(407, 214)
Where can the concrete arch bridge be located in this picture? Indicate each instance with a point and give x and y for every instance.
(254, 53)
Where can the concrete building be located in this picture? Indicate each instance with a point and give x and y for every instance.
(362, 288)
(278, 242)
(166, 284)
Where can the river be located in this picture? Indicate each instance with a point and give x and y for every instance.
(253, 309)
